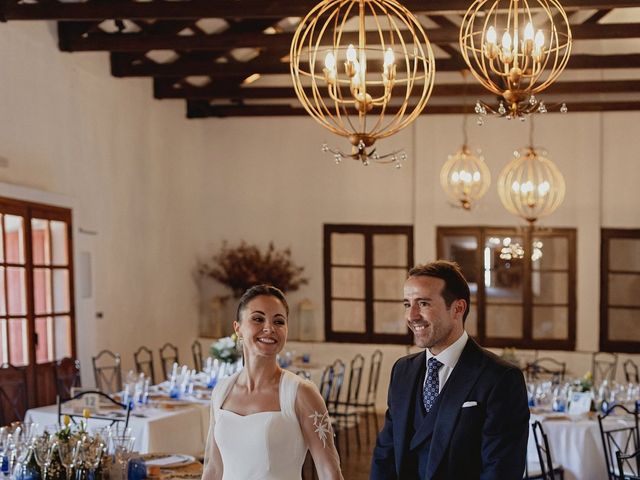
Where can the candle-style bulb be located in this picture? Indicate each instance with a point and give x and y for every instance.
(351, 53)
(528, 32)
(330, 61)
(491, 35)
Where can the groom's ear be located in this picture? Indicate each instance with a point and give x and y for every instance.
(459, 306)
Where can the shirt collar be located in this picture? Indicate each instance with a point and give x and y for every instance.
(450, 355)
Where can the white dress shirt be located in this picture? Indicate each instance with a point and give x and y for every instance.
(449, 358)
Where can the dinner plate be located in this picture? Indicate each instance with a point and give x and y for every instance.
(168, 461)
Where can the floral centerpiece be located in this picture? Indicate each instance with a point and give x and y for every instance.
(226, 349)
(241, 267)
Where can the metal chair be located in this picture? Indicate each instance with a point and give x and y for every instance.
(631, 371)
(67, 376)
(603, 366)
(546, 470)
(628, 465)
(369, 404)
(196, 351)
(13, 394)
(107, 371)
(123, 417)
(326, 383)
(143, 359)
(618, 439)
(546, 368)
(349, 410)
(168, 356)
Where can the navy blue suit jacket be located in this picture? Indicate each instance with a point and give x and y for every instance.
(483, 441)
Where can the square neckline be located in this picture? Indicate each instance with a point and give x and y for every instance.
(280, 384)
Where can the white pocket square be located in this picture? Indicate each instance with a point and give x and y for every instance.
(469, 404)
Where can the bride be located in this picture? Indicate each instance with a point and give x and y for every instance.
(264, 418)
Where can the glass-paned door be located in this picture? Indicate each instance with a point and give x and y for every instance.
(365, 270)
(37, 324)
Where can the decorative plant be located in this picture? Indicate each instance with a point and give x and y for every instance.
(246, 265)
(226, 349)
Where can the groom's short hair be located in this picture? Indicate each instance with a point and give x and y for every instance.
(455, 285)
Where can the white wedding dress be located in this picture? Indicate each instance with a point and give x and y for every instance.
(263, 445)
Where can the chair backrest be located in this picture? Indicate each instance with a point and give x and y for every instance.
(196, 351)
(67, 376)
(168, 356)
(336, 388)
(374, 377)
(631, 371)
(124, 419)
(603, 366)
(355, 378)
(544, 453)
(13, 394)
(615, 437)
(143, 359)
(628, 465)
(326, 383)
(546, 368)
(303, 374)
(107, 371)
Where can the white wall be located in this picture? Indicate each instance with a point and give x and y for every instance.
(162, 191)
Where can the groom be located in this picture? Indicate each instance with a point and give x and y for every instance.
(455, 411)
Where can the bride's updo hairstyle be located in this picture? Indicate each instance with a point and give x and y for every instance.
(257, 291)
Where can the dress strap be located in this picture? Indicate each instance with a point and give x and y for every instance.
(221, 391)
(288, 391)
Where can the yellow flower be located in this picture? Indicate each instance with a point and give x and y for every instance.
(86, 413)
(66, 420)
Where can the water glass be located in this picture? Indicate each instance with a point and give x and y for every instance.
(123, 446)
(44, 448)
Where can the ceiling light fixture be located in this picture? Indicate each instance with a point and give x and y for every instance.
(375, 76)
(515, 49)
(531, 185)
(465, 177)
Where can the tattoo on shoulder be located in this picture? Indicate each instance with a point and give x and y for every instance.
(322, 424)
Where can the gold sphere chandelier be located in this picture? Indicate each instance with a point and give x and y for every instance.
(465, 177)
(531, 185)
(515, 49)
(363, 69)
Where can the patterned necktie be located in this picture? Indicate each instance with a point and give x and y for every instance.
(432, 384)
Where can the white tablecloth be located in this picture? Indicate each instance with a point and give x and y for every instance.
(574, 444)
(180, 430)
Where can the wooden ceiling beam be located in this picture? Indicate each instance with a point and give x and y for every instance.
(131, 65)
(194, 9)
(202, 109)
(164, 88)
(74, 39)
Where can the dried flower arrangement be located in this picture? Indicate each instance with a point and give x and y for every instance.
(246, 265)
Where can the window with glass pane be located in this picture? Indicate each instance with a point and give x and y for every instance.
(619, 290)
(365, 270)
(522, 283)
(36, 283)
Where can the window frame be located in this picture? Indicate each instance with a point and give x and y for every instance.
(369, 335)
(527, 233)
(29, 211)
(606, 235)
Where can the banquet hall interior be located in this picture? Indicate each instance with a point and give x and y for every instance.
(149, 153)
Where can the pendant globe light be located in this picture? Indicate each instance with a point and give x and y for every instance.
(531, 185)
(465, 177)
(515, 49)
(364, 70)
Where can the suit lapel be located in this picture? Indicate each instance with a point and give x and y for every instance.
(404, 396)
(459, 384)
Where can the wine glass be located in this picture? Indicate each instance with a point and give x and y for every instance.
(68, 452)
(92, 455)
(44, 448)
(123, 446)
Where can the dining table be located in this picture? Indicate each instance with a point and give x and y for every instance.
(162, 425)
(575, 443)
